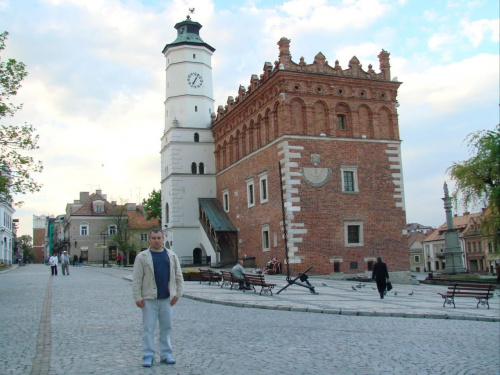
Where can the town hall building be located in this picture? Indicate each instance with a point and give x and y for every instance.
(307, 150)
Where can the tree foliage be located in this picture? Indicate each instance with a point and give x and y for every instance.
(26, 245)
(152, 206)
(477, 179)
(122, 237)
(16, 166)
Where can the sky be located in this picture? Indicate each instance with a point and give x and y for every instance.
(96, 86)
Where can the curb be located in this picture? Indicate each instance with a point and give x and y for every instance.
(343, 312)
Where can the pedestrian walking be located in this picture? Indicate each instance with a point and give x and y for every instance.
(157, 284)
(80, 261)
(119, 260)
(53, 264)
(75, 261)
(65, 263)
(380, 275)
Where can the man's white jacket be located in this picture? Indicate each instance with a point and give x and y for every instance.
(143, 279)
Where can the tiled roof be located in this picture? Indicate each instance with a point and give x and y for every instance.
(137, 220)
(87, 210)
(460, 223)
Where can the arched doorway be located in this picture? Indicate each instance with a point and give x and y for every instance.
(197, 256)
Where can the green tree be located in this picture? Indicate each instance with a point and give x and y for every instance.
(26, 244)
(122, 236)
(152, 206)
(16, 166)
(477, 179)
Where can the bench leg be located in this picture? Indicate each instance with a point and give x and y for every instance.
(483, 302)
(449, 301)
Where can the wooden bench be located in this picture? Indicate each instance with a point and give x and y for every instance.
(210, 276)
(481, 292)
(258, 280)
(229, 279)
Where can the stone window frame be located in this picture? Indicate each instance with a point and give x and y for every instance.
(266, 237)
(250, 193)
(112, 229)
(263, 188)
(351, 223)
(354, 170)
(225, 200)
(416, 258)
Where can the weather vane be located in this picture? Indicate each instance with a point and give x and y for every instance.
(191, 11)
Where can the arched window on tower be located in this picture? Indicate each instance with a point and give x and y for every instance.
(193, 168)
(201, 168)
(196, 137)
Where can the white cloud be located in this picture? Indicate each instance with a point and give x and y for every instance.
(476, 31)
(472, 82)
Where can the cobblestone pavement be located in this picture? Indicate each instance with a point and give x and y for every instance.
(95, 328)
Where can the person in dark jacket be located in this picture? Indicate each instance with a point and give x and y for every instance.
(380, 275)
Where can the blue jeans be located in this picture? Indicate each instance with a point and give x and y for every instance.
(161, 311)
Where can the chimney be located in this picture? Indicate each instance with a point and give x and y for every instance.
(84, 197)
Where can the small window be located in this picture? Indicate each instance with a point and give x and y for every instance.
(194, 55)
(263, 188)
(201, 168)
(196, 108)
(250, 194)
(349, 175)
(144, 237)
(353, 233)
(353, 265)
(265, 238)
(167, 214)
(84, 230)
(193, 168)
(196, 137)
(225, 200)
(370, 265)
(416, 258)
(341, 122)
(112, 229)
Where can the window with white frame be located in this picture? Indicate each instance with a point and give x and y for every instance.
(263, 187)
(225, 199)
(265, 238)
(84, 229)
(353, 234)
(98, 206)
(144, 237)
(349, 175)
(250, 193)
(112, 229)
(417, 258)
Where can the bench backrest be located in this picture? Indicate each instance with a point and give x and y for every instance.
(255, 279)
(469, 287)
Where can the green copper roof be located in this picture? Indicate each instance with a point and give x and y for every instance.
(188, 33)
(216, 216)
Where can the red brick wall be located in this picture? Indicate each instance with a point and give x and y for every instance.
(322, 208)
(38, 241)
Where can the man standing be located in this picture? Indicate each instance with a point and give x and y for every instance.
(157, 284)
(53, 264)
(238, 272)
(380, 275)
(65, 263)
(119, 260)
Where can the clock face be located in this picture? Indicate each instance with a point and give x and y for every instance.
(194, 80)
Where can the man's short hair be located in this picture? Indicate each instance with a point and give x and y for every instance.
(379, 258)
(155, 230)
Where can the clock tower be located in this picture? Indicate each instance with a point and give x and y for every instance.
(187, 144)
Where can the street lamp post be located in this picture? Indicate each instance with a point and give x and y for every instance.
(104, 236)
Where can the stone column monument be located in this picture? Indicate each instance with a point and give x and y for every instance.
(452, 251)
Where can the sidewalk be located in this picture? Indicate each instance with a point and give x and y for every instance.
(339, 297)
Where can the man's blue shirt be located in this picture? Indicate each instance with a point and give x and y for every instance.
(161, 265)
